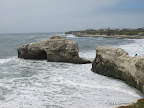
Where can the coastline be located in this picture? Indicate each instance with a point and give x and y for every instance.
(111, 36)
(116, 63)
(41, 66)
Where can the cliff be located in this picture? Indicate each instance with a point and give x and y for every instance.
(124, 33)
(116, 63)
(55, 49)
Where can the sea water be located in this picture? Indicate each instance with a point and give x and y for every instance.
(42, 84)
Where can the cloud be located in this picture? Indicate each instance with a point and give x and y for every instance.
(52, 6)
(64, 15)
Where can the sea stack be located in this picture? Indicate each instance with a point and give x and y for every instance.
(117, 63)
(54, 49)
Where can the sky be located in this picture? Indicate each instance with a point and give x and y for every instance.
(37, 16)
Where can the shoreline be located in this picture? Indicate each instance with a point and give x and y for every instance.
(111, 36)
(118, 64)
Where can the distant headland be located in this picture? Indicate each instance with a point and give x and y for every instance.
(137, 33)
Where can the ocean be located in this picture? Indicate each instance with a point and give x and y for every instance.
(42, 84)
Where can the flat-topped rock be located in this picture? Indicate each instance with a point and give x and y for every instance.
(117, 63)
(54, 49)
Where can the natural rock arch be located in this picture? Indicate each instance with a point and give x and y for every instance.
(55, 49)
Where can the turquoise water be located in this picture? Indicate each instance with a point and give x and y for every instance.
(42, 84)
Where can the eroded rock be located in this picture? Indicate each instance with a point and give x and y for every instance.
(117, 63)
(55, 49)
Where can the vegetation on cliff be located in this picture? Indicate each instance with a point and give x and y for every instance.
(109, 31)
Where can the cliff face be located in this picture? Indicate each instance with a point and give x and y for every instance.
(55, 49)
(116, 63)
(132, 34)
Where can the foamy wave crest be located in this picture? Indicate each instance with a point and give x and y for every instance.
(121, 87)
(88, 55)
(2, 61)
(6, 60)
(137, 47)
(62, 34)
(71, 36)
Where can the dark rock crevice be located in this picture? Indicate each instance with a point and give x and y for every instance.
(32, 54)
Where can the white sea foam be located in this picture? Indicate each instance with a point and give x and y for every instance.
(121, 87)
(137, 47)
(30, 83)
(71, 36)
(59, 84)
(2, 61)
(88, 55)
(61, 34)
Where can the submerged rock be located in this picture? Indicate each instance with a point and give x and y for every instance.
(55, 49)
(116, 63)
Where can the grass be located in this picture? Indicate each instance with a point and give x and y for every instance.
(109, 32)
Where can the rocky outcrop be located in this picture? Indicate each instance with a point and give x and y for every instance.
(108, 34)
(141, 34)
(117, 63)
(55, 49)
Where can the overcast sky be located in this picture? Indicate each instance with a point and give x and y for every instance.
(30, 16)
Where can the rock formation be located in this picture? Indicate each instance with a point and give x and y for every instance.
(141, 34)
(55, 49)
(116, 63)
